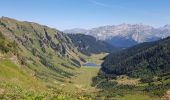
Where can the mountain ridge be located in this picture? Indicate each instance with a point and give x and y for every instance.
(152, 56)
(48, 49)
(131, 34)
(89, 45)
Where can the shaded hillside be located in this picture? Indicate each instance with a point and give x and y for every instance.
(89, 45)
(121, 42)
(142, 60)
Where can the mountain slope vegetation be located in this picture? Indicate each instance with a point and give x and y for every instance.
(39, 62)
(89, 45)
(34, 55)
(142, 69)
(40, 46)
(148, 59)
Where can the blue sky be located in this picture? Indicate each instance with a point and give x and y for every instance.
(66, 14)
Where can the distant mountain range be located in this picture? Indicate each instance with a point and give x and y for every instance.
(125, 35)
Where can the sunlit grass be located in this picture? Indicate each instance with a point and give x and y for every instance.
(136, 96)
(82, 80)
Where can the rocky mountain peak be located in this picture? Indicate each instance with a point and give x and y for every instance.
(138, 33)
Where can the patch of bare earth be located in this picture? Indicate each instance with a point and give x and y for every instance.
(2, 91)
(125, 80)
(14, 59)
(1, 56)
(166, 96)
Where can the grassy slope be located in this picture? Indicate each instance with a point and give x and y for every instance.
(122, 90)
(133, 95)
(22, 80)
(80, 84)
(96, 58)
(82, 80)
(14, 81)
(136, 96)
(58, 66)
(12, 73)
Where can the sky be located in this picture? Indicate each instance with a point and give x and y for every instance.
(67, 14)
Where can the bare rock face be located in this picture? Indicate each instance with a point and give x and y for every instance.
(126, 35)
(29, 34)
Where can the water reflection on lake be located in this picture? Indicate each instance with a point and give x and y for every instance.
(90, 64)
